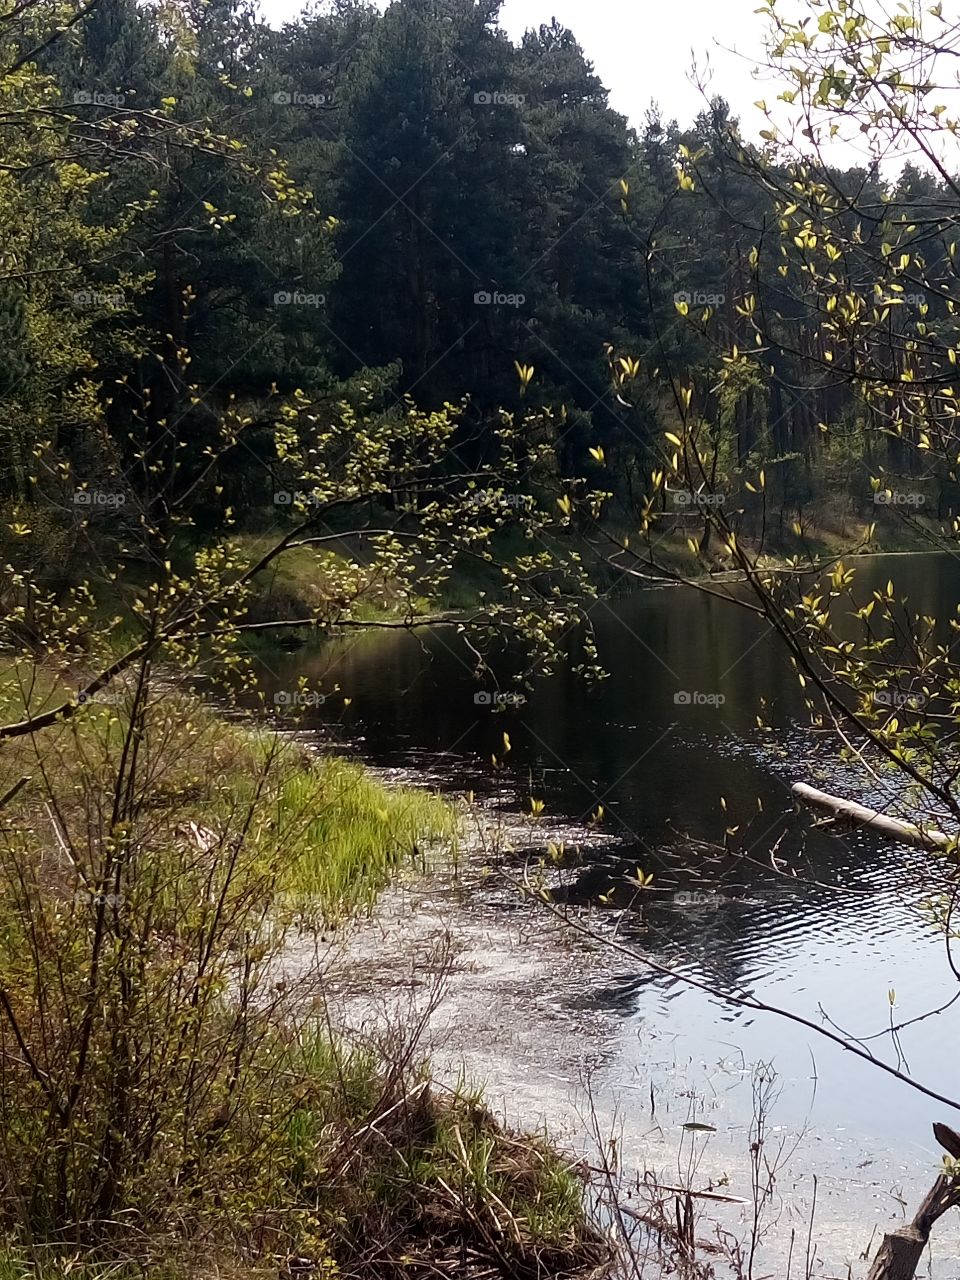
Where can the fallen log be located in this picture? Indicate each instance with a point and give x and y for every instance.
(900, 1251)
(859, 815)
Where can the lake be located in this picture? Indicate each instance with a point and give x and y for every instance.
(668, 739)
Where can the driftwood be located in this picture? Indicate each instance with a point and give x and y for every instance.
(859, 815)
(900, 1252)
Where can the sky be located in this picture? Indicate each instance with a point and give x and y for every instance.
(644, 51)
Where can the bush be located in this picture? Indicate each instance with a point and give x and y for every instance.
(167, 1090)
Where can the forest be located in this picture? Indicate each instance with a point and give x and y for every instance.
(404, 212)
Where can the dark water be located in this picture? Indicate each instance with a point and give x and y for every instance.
(828, 944)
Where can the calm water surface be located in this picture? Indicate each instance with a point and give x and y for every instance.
(828, 945)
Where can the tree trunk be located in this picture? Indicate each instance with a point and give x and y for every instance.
(899, 1255)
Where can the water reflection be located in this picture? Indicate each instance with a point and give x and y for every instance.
(670, 746)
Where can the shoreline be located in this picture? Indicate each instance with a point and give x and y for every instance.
(449, 946)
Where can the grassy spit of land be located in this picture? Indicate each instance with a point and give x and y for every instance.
(167, 1107)
(293, 586)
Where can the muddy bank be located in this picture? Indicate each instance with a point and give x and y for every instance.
(513, 1002)
(504, 992)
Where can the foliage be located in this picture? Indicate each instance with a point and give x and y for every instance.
(166, 1074)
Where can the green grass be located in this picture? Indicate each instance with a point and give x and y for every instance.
(435, 1176)
(343, 834)
(307, 582)
(357, 833)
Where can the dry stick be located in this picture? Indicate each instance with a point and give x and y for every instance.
(862, 816)
(699, 1195)
(13, 791)
(811, 1248)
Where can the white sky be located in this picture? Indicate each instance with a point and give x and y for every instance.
(644, 50)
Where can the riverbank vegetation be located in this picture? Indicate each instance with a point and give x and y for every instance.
(173, 1100)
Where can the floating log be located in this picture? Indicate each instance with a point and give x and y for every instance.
(859, 815)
